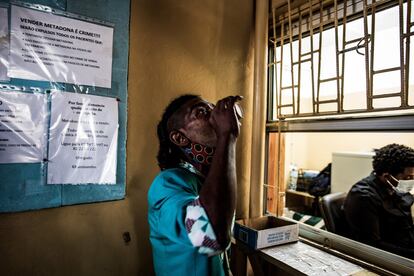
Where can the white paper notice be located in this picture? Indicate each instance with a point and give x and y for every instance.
(4, 44)
(22, 127)
(83, 139)
(54, 48)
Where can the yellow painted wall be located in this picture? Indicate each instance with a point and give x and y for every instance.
(175, 47)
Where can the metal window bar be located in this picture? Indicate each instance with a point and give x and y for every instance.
(347, 46)
(293, 86)
(299, 62)
(271, 77)
(345, 49)
(315, 102)
(370, 98)
(407, 36)
(275, 62)
(354, 8)
(279, 112)
(282, 88)
(337, 78)
(312, 51)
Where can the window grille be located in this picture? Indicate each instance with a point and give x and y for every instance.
(312, 88)
(313, 46)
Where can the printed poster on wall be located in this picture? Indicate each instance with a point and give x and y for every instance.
(49, 47)
(22, 127)
(4, 44)
(83, 139)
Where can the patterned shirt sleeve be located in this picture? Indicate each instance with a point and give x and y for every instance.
(199, 229)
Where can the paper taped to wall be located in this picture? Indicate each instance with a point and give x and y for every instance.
(83, 139)
(22, 127)
(49, 47)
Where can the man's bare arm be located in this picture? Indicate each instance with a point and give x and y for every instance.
(218, 194)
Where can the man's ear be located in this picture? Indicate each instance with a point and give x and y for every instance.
(178, 138)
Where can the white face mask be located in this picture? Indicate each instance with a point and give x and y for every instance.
(405, 198)
(403, 185)
(406, 185)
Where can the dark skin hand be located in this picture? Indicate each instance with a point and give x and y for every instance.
(218, 195)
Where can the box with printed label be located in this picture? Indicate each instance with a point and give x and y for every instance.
(265, 231)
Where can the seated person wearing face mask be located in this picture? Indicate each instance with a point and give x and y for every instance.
(378, 213)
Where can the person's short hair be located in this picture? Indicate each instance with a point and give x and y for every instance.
(393, 159)
(169, 155)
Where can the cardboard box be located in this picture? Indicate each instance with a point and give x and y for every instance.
(265, 231)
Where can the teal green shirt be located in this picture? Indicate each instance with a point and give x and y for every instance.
(173, 253)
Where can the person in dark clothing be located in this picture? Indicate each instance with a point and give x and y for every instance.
(377, 212)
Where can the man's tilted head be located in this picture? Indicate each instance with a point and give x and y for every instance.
(169, 154)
